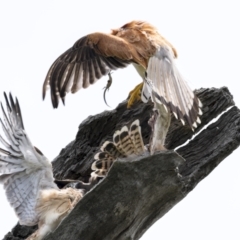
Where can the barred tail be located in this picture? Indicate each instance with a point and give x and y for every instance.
(126, 142)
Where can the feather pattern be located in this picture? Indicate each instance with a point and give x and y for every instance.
(126, 142)
(136, 137)
(83, 64)
(136, 42)
(167, 87)
(21, 166)
(28, 179)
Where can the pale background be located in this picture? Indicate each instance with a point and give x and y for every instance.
(207, 37)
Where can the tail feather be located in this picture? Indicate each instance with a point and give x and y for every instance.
(117, 142)
(126, 142)
(104, 160)
(101, 166)
(111, 148)
(136, 137)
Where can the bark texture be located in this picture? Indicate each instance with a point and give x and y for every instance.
(139, 191)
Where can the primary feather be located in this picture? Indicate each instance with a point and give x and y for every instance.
(138, 43)
(23, 171)
(169, 88)
(27, 177)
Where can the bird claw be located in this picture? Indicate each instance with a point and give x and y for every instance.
(109, 83)
(135, 95)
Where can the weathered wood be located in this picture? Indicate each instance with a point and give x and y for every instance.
(137, 192)
(77, 157)
(130, 195)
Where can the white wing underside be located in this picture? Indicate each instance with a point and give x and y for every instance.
(23, 171)
(166, 86)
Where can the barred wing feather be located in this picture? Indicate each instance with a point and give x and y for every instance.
(24, 172)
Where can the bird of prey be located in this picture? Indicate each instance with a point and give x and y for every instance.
(28, 179)
(126, 142)
(137, 43)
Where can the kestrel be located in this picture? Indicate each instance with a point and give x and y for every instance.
(137, 43)
(28, 179)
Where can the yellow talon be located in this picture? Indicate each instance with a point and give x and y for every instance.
(135, 95)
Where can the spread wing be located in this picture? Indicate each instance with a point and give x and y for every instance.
(126, 142)
(24, 171)
(90, 58)
(169, 88)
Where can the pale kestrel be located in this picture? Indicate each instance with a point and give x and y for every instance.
(138, 43)
(28, 179)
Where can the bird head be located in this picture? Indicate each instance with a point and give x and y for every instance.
(136, 25)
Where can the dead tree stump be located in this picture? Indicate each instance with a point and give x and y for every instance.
(139, 191)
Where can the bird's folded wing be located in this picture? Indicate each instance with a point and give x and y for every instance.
(22, 168)
(169, 88)
(90, 58)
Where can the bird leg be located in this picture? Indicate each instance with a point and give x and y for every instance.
(109, 83)
(135, 95)
(159, 122)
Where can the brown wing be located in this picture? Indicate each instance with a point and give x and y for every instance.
(90, 58)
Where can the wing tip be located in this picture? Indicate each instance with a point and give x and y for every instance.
(175, 115)
(183, 122)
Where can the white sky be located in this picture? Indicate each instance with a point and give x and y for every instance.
(207, 37)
